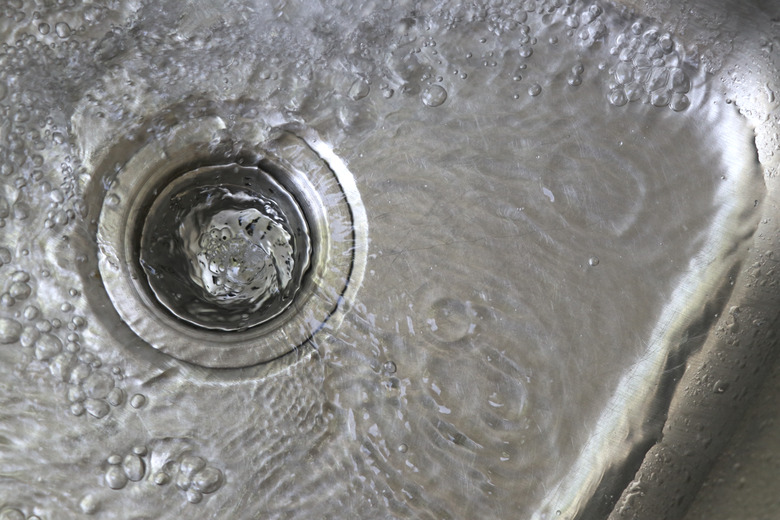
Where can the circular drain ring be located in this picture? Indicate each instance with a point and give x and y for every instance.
(308, 169)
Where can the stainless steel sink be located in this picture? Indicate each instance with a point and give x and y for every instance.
(496, 259)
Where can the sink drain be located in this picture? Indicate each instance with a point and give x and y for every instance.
(231, 259)
(225, 247)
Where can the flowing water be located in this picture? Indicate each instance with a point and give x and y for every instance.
(457, 238)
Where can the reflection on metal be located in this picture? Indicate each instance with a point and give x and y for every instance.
(519, 260)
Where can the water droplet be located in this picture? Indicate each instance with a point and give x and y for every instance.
(138, 400)
(114, 460)
(618, 97)
(161, 478)
(434, 95)
(116, 396)
(660, 98)
(62, 29)
(141, 451)
(10, 331)
(31, 312)
(47, 347)
(389, 367)
(44, 28)
(207, 480)
(403, 448)
(6, 300)
(534, 90)
(359, 89)
(720, 387)
(679, 102)
(98, 385)
(115, 477)
(76, 394)
(96, 408)
(194, 496)
(593, 261)
(5, 256)
(112, 200)
(134, 467)
(89, 505)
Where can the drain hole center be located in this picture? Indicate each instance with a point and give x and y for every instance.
(225, 247)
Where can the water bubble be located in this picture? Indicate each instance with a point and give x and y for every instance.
(618, 97)
(62, 29)
(208, 480)
(720, 387)
(98, 385)
(161, 478)
(47, 347)
(115, 397)
(6, 300)
(634, 91)
(138, 400)
(140, 450)
(679, 102)
(20, 290)
(534, 90)
(359, 89)
(61, 366)
(5, 256)
(29, 336)
(115, 477)
(624, 73)
(89, 504)
(20, 276)
(31, 312)
(96, 408)
(680, 81)
(80, 372)
(658, 78)
(433, 95)
(10, 331)
(666, 43)
(574, 80)
(76, 394)
(21, 211)
(134, 467)
(660, 98)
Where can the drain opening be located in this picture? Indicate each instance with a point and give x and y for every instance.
(225, 247)
(229, 260)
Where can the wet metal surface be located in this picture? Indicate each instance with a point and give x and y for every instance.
(521, 256)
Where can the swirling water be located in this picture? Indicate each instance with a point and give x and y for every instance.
(519, 164)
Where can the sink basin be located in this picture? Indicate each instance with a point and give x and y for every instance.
(393, 260)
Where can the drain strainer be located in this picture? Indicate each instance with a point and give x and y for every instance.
(228, 258)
